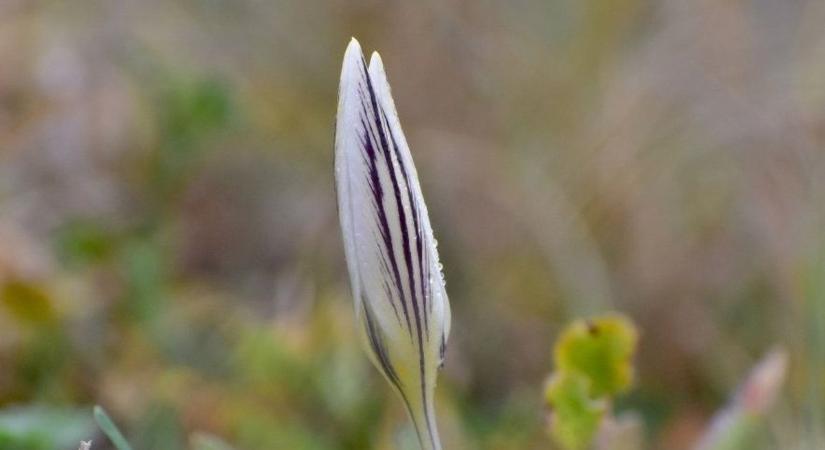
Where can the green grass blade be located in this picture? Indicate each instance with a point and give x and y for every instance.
(110, 429)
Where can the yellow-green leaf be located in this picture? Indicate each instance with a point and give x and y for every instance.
(574, 415)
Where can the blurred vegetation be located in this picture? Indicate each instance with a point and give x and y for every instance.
(737, 425)
(110, 429)
(593, 360)
(169, 246)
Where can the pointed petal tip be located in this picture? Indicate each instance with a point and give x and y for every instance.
(351, 66)
(375, 58)
(353, 50)
(377, 65)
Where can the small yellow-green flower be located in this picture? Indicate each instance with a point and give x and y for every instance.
(593, 361)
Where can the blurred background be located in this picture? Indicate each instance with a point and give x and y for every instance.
(169, 244)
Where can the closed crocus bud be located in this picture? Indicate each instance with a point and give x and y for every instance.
(400, 300)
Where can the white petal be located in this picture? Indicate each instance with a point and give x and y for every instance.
(438, 294)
